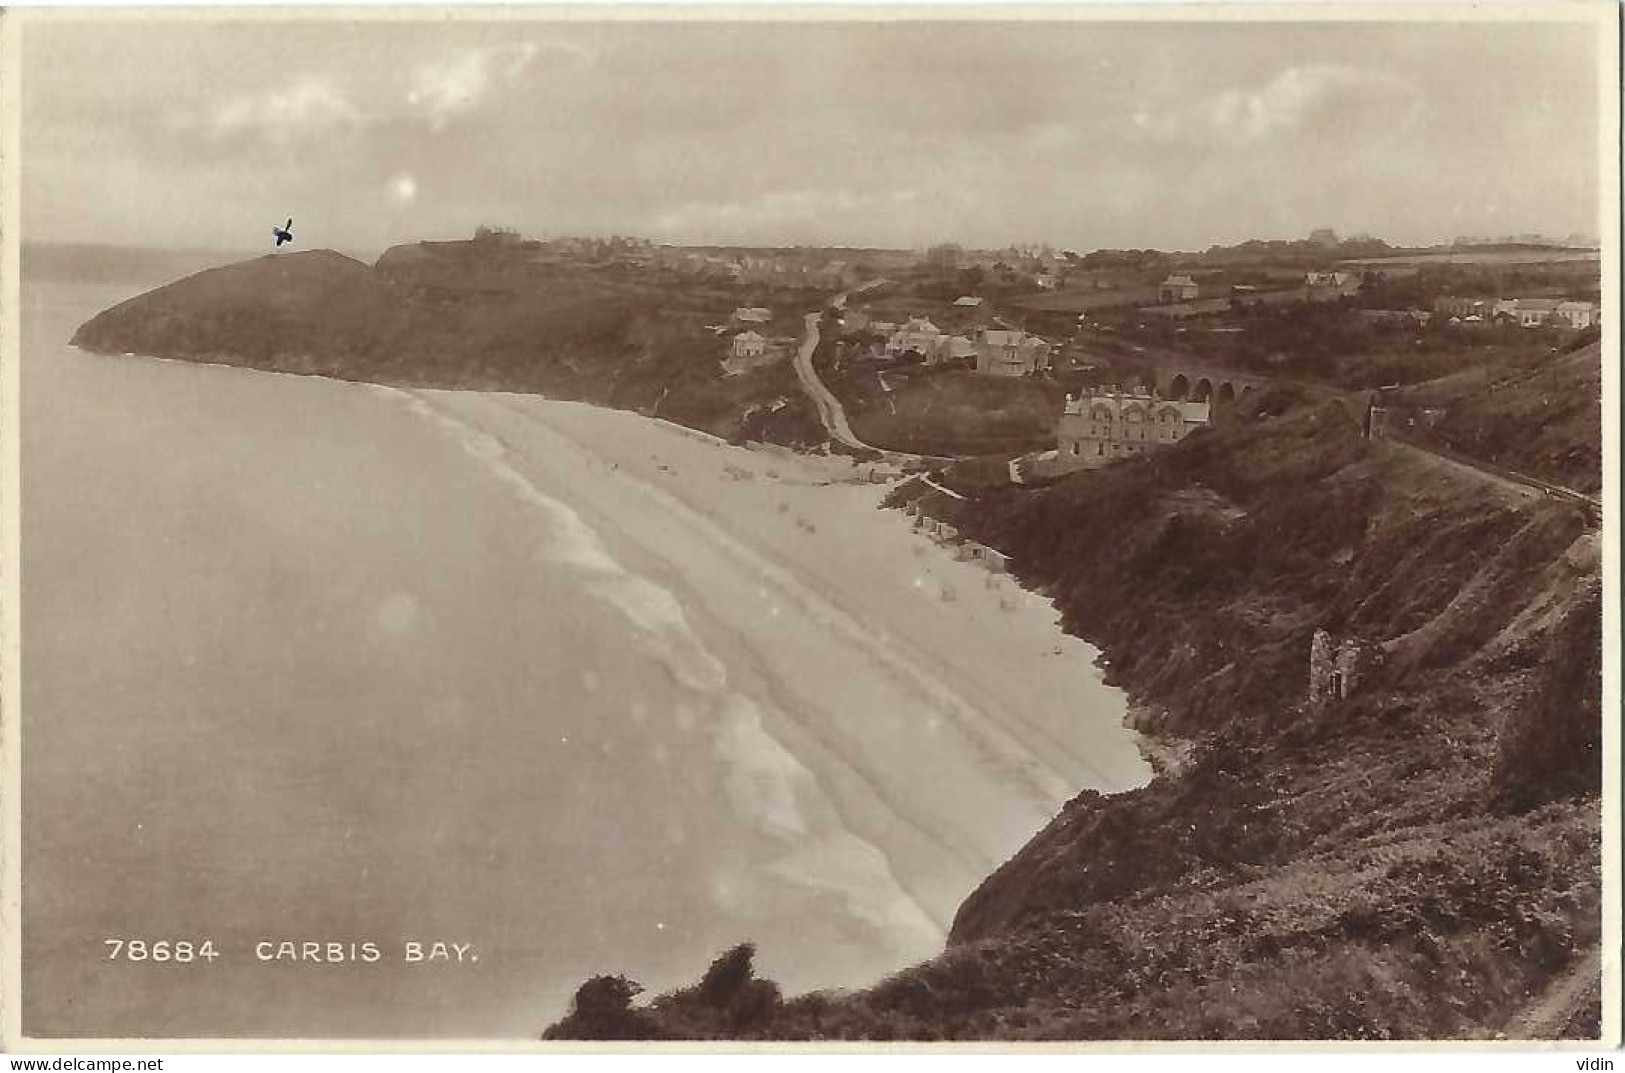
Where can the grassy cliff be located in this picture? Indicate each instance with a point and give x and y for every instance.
(1419, 860)
(460, 315)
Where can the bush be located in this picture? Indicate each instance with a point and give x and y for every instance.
(728, 975)
(602, 1009)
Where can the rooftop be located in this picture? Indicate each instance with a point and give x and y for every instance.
(1190, 410)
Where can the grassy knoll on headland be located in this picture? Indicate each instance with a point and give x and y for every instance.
(462, 315)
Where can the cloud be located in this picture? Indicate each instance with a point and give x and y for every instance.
(312, 109)
(441, 91)
(1295, 99)
(308, 109)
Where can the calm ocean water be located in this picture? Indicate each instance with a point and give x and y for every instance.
(319, 663)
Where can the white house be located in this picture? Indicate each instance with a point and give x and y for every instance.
(1178, 289)
(1010, 352)
(1526, 312)
(1094, 429)
(918, 335)
(1575, 314)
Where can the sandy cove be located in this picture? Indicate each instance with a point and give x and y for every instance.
(832, 616)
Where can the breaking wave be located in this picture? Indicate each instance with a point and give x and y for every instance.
(763, 782)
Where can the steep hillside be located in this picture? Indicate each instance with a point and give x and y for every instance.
(1412, 861)
(272, 311)
(455, 315)
(1543, 420)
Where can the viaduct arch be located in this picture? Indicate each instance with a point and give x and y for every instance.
(1200, 384)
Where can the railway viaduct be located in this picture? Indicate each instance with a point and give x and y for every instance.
(1199, 383)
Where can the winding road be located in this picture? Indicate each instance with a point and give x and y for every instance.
(830, 411)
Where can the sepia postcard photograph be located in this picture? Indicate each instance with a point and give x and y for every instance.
(600, 526)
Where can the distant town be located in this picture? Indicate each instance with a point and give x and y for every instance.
(1079, 338)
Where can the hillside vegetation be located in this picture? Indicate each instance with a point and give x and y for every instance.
(1541, 417)
(1419, 860)
(454, 315)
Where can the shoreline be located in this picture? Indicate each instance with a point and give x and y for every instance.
(823, 607)
(1161, 758)
(935, 862)
(846, 470)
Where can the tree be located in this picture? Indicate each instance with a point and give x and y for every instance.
(602, 1009)
(728, 975)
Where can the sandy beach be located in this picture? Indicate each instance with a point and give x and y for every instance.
(309, 660)
(861, 642)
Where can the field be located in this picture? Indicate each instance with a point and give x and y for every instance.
(942, 412)
(1081, 301)
(1223, 303)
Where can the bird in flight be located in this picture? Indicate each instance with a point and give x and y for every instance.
(283, 233)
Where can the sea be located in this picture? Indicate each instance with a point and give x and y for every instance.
(357, 712)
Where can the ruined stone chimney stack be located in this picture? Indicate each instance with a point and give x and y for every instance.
(1334, 669)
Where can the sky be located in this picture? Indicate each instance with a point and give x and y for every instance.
(1081, 134)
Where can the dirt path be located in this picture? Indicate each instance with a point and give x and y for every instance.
(1549, 1016)
(1519, 494)
(1519, 487)
(830, 411)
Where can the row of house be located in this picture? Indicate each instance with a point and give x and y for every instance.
(919, 336)
(997, 349)
(1399, 317)
(990, 558)
(1524, 312)
(788, 269)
